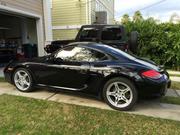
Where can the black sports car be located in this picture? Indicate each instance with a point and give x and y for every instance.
(94, 69)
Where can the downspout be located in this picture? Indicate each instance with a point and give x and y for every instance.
(90, 10)
(47, 20)
(87, 13)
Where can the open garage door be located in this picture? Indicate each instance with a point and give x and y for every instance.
(18, 37)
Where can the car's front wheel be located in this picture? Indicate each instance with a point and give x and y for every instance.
(120, 94)
(23, 80)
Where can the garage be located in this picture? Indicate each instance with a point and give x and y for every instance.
(18, 37)
(25, 28)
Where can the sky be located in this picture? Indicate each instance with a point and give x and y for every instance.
(159, 9)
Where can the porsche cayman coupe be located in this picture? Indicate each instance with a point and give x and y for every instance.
(91, 68)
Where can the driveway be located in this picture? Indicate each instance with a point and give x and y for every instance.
(149, 108)
(1, 72)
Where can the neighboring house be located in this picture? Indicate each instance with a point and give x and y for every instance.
(24, 22)
(69, 15)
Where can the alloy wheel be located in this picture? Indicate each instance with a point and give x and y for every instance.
(22, 80)
(119, 94)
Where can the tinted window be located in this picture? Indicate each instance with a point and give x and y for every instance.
(89, 34)
(111, 34)
(80, 54)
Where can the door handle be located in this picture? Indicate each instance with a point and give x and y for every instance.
(100, 65)
(84, 67)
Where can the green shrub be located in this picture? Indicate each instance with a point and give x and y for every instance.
(159, 42)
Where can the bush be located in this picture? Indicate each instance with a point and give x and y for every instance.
(159, 42)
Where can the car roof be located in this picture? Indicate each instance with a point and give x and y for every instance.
(103, 48)
(93, 45)
(101, 25)
(88, 44)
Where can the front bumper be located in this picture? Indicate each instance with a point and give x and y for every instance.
(8, 75)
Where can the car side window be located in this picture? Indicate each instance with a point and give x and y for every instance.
(80, 54)
(97, 56)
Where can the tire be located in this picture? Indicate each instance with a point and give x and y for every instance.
(21, 77)
(133, 41)
(121, 89)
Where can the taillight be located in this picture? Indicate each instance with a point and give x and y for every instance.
(151, 74)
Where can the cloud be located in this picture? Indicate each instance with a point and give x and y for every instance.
(122, 6)
(162, 10)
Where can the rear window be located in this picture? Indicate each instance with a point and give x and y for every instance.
(89, 34)
(117, 52)
(111, 33)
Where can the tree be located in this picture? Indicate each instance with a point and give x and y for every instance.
(137, 16)
(157, 41)
(125, 19)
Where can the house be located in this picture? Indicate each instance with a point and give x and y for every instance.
(26, 26)
(69, 15)
(24, 23)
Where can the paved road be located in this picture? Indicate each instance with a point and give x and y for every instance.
(149, 108)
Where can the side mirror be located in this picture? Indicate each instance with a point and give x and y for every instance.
(50, 58)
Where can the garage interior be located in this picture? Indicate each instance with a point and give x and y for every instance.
(18, 37)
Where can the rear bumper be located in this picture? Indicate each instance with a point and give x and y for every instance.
(154, 87)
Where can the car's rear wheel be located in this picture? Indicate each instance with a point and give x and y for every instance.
(23, 80)
(120, 94)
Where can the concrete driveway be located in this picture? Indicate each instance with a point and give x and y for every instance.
(149, 108)
(1, 72)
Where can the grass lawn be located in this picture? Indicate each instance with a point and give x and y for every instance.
(23, 116)
(2, 79)
(171, 100)
(175, 85)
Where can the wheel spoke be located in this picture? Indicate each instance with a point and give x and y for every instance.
(116, 101)
(113, 93)
(26, 83)
(21, 84)
(25, 75)
(124, 99)
(19, 74)
(124, 91)
(116, 86)
(17, 81)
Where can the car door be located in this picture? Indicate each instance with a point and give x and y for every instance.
(69, 69)
(71, 75)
